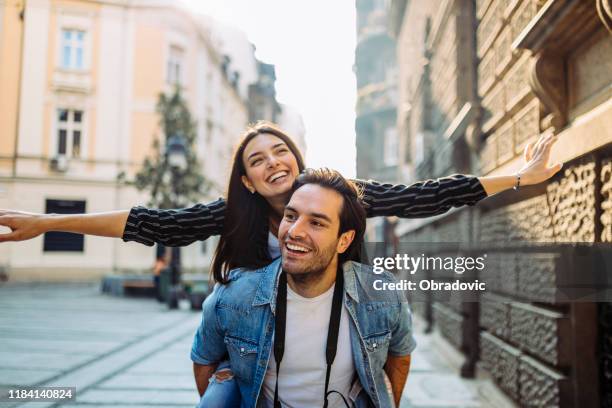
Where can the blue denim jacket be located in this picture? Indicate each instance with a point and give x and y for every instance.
(238, 321)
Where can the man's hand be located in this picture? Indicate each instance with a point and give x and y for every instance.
(397, 368)
(23, 225)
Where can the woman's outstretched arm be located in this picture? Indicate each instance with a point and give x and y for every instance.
(432, 197)
(174, 228)
(147, 226)
(26, 225)
(534, 171)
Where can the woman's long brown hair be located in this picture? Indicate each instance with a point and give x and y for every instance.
(244, 240)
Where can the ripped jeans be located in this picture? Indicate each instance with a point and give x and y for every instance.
(221, 393)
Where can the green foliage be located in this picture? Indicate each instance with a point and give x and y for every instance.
(155, 175)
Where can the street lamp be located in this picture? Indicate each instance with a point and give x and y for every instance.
(176, 159)
(176, 153)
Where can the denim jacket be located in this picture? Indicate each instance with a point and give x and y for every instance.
(238, 321)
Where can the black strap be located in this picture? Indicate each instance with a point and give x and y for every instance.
(280, 322)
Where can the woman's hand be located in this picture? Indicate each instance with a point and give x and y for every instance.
(26, 225)
(536, 154)
(23, 225)
(534, 171)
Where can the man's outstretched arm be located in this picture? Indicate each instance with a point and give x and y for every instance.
(397, 368)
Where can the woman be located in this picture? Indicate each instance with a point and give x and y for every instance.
(265, 165)
(184, 226)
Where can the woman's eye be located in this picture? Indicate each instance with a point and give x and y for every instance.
(255, 162)
(289, 217)
(316, 224)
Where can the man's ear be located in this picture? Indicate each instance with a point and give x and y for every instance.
(247, 183)
(345, 241)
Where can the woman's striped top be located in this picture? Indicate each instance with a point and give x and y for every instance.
(183, 226)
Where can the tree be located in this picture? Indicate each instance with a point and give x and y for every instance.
(168, 191)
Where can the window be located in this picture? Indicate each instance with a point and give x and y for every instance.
(175, 65)
(63, 241)
(391, 146)
(419, 148)
(72, 49)
(69, 132)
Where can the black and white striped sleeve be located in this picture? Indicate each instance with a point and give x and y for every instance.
(421, 199)
(178, 227)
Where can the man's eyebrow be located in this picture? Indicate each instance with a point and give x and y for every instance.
(312, 214)
(321, 216)
(273, 147)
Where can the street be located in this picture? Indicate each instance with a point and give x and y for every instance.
(133, 352)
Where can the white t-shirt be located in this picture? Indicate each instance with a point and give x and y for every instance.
(302, 371)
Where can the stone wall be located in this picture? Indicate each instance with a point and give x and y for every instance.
(540, 67)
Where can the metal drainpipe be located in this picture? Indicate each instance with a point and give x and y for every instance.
(17, 122)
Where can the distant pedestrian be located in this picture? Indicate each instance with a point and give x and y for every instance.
(162, 260)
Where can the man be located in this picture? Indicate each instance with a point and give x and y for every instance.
(326, 344)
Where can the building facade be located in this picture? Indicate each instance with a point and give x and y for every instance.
(79, 83)
(375, 69)
(478, 81)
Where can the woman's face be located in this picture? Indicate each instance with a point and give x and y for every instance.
(271, 167)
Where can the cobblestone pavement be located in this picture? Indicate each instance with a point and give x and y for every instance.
(133, 352)
(118, 352)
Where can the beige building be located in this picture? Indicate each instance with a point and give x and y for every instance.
(79, 82)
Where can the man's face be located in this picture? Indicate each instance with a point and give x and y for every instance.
(308, 233)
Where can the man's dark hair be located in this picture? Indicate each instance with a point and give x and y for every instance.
(352, 214)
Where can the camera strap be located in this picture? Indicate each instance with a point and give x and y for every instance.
(280, 322)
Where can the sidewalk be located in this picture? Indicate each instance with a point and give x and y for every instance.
(118, 352)
(434, 383)
(131, 352)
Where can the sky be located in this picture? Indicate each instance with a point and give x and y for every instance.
(312, 45)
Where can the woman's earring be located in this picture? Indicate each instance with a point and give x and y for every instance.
(252, 190)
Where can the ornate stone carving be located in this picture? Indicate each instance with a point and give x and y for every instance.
(508, 277)
(502, 362)
(606, 202)
(454, 230)
(537, 277)
(495, 314)
(572, 204)
(449, 324)
(604, 9)
(548, 82)
(541, 332)
(540, 385)
(529, 220)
